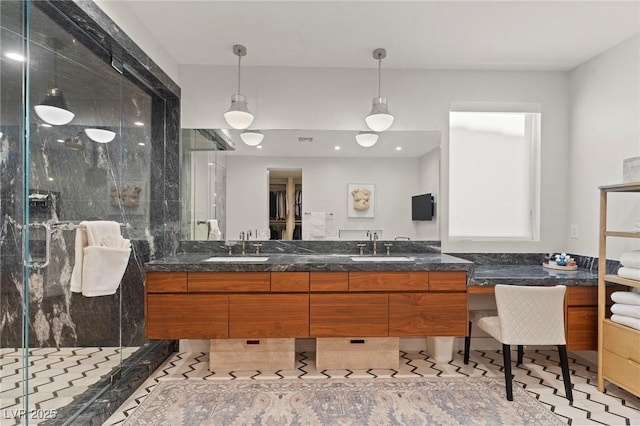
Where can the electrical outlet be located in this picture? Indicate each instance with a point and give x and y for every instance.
(575, 231)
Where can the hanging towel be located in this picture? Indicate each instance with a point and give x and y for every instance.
(630, 273)
(630, 259)
(213, 230)
(101, 258)
(318, 224)
(627, 310)
(625, 320)
(626, 297)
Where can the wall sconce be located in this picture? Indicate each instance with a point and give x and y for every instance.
(379, 119)
(238, 115)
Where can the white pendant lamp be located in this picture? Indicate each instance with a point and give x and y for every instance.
(379, 119)
(100, 134)
(252, 137)
(53, 108)
(238, 115)
(366, 138)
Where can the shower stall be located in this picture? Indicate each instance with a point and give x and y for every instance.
(89, 130)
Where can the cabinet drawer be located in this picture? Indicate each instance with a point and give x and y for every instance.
(447, 280)
(329, 281)
(622, 340)
(621, 371)
(428, 314)
(166, 282)
(582, 328)
(290, 281)
(187, 316)
(388, 281)
(268, 315)
(229, 281)
(346, 315)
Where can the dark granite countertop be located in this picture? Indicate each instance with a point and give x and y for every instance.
(312, 262)
(530, 275)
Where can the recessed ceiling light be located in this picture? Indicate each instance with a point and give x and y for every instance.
(138, 123)
(45, 125)
(337, 148)
(209, 164)
(15, 56)
(259, 146)
(60, 140)
(141, 143)
(398, 148)
(50, 178)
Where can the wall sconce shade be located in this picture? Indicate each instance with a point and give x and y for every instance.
(252, 137)
(100, 135)
(367, 139)
(379, 119)
(238, 115)
(53, 108)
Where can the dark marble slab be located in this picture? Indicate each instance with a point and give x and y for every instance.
(311, 262)
(530, 275)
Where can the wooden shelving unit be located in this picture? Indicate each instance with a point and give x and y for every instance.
(618, 345)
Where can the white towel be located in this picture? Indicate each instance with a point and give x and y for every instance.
(101, 257)
(626, 297)
(213, 230)
(625, 320)
(630, 259)
(630, 273)
(627, 310)
(318, 224)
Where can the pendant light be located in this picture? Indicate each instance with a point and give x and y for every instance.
(53, 108)
(238, 116)
(252, 137)
(379, 119)
(367, 138)
(100, 134)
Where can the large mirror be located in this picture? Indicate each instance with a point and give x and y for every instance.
(309, 185)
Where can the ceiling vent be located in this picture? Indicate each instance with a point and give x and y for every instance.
(304, 139)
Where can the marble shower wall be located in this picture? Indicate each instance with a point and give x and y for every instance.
(81, 179)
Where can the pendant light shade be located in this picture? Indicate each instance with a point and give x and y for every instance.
(367, 138)
(53, 108)
(238, 115)
(99, 134)
(379, 119)
(252, 137)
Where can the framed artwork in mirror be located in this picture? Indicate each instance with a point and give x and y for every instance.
(360, 200)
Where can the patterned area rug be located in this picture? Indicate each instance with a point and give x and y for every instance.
(407, 401)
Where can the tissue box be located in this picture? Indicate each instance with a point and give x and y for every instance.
(631, 170)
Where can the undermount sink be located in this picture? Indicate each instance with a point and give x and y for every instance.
(237, 259)
(381, 258)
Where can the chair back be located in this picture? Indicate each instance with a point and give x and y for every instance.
(531, 315)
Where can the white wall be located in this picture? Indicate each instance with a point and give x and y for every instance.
(605, 129)
(324, 189)
(429, 183)
(338, 99)
(122, 15)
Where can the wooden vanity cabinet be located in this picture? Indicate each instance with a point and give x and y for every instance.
(268, 315)
(427, 314)
(187, 316)
(345, 315)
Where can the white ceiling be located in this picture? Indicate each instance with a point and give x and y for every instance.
(505, 35)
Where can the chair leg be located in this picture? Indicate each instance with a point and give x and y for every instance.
(467, 344)
(564, 364)
(506, 354)
(520, 354)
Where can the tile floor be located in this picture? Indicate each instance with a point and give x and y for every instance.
(57, 375)
(540, 375)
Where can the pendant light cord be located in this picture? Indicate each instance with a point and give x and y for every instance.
(239, 59)
(379, 74)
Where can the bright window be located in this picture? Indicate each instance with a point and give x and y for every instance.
(494, 172)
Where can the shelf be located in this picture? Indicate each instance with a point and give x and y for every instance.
(622, 187)
(622, 234)
(624, 281)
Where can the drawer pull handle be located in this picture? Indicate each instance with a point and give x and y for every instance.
(357, 341)
(253, 342)
(633, 361)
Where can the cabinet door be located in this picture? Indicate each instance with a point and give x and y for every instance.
(447, 281)
(182, 316)
(346, 315)
(582, 328)
(294, 282)
(166, 282)
(229, 281)
(268, 315)
(428, 314)
(388, 281)
(329, 281)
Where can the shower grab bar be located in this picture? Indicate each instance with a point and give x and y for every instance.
(70, 226)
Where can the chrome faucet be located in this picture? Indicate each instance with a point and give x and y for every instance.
(373, 236)
(244, 237)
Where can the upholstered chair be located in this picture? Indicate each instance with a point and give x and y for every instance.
(526, 315)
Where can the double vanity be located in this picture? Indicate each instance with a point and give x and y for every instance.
(342, 300)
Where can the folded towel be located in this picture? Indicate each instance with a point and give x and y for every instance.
(213, 231)
(626, 297)
(627, 310)
(630, 273)
(318, 224)
(630, 259)
(625, 320)
(101, 257)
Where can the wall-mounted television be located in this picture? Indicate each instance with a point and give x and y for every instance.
(422, 207)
